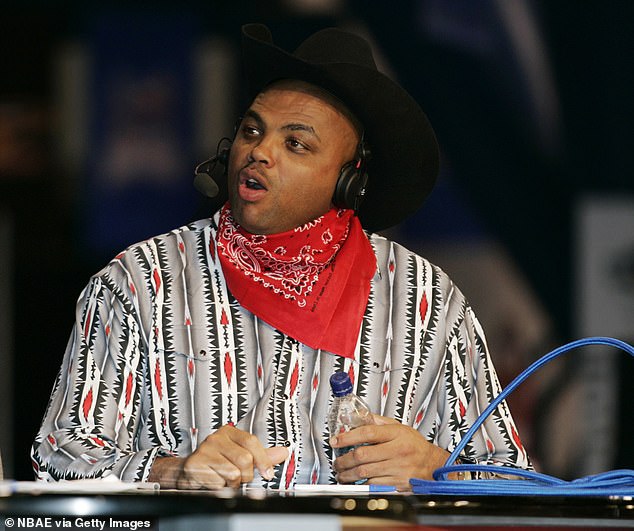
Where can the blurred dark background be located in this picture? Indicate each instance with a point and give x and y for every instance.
(105, 109)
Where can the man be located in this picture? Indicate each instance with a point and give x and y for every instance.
(201, 358)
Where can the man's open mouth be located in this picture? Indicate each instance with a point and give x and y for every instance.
(253, 184)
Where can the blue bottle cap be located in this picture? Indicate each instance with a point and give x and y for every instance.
(341, 384)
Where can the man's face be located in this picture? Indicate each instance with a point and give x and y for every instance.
(286, 158)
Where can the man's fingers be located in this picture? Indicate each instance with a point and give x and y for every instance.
(371, 467)
(228, 457)
(236, 465)
(362, 455)
(373, 472)
(385, 429)
(259, 457)
(370, 434)
(232, 454)
(381, 420)
(262, 458)
(277, 454)
(274, 455)
(198, 474)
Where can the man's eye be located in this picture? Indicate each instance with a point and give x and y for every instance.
(250, 131)
(296, 145)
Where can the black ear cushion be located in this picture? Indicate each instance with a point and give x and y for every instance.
(350, 186)
(223, 157)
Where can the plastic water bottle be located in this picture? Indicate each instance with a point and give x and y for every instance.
(348, 411)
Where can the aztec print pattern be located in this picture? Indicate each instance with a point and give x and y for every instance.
(162, 355)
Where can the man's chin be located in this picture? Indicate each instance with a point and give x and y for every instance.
(249, 218)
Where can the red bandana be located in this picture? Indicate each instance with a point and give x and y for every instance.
(312, 282)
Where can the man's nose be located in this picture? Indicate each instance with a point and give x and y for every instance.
(262, 152)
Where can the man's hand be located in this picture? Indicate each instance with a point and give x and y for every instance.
(226, 458)
(398, 453)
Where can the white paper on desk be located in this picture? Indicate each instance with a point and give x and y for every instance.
(107, 485)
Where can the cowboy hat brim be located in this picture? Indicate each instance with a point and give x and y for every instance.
(404, 158)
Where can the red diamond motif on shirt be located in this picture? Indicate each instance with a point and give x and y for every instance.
(423, 307)
(128, 389)
(290, 470)
(157, 379)
(87, 325)
(157, 280)
(228, 368)
(294, 378)
(87, 404)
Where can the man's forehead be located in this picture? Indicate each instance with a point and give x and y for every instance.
(296, 85)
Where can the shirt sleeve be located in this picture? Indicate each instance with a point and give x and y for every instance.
(470, 384)
(94, 412)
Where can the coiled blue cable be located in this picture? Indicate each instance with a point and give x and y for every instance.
(612, 483)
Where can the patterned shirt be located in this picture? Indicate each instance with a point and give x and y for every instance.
(162, 355)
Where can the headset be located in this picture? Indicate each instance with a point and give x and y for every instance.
(210, 174)
(353, 179)
(349, 190)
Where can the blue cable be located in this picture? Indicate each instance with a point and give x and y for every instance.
(612, 483)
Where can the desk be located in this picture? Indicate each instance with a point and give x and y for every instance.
(264, 511)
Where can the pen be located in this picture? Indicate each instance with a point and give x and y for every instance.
(325, 488)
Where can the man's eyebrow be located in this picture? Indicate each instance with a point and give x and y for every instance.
(250, 113)
(302, 127)
(293, 126)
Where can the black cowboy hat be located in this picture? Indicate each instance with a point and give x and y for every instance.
(403, 165)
